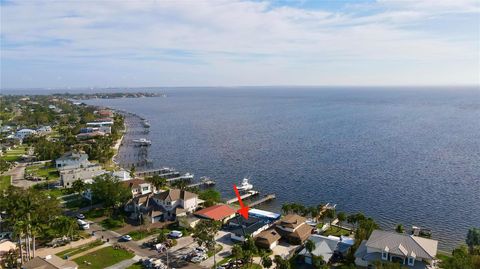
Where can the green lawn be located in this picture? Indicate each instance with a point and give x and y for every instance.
(140, 234)
(14, 154)
(335, 231)
(112, 224)
(80, 249)
(103, 258)
(95, 213)
(137, 265)
(4, 182)
(40, 170)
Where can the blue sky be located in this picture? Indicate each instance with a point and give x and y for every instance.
(233, 43)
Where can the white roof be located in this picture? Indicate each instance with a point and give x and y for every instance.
(263, 213)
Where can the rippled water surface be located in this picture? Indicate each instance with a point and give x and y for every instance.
(408, 156)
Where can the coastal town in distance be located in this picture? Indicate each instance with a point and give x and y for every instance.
(79, 191)
(240, 134)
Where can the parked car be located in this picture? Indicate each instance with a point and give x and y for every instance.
(199, 258)
(175, 234)
(126, 238)
(83, 224)
(80, 216)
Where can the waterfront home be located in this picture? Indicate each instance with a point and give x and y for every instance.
(138, 206)
(85, 136)
(44, 130)
(100, 122)
(409, 250)
(49, 262)
(170, 204)
(218, 212)
(327, 247)
(241, 228)
(72, 159)
(85, 174)
(267, 239)
(294, 229)
(138, 186)
(23, 133)
(105, 113)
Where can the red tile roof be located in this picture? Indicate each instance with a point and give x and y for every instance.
(216, 212)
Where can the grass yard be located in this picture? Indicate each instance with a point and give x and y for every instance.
(4, 182)
(15, 154)
(80, 249)
(112, 224)
(95, 213)
(140, 234)
(253, 266)
(103, 258)
(137, 265)
(40, 170)
(336, 231)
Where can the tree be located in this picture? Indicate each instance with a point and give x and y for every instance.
(65, 226)
(281, 263)
(157, 181)
(161, 237)
(473, 239)
(204, 234)
(341, 216)
(266, 261)
(180, 184)
(318, 262)
(10, 258)
(459, 260)
(310, 246)
(78, 186)
(237, 253)
(399, 229)
(132, 171)
(330, 214)
(110, 191)
(210, 196)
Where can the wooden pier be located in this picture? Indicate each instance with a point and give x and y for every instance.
(206, 183)
(244, 196)
(262, 200)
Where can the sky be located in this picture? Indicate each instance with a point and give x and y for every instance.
(134, 43)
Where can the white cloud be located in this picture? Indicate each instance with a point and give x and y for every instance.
(236, 42)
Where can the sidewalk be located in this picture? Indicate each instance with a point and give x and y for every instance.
(89, 251)
(46, 251)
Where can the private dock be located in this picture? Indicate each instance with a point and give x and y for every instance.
(244, 196)
(263, 200)
(204, 182)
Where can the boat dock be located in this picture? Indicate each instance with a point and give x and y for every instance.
(204, 182)
(266, 198)
(243, 196)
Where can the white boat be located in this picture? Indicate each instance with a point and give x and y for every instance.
(142, 142)
(245, 186)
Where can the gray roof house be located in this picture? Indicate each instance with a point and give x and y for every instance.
(72, 159)
(327, 247)
(411, 251)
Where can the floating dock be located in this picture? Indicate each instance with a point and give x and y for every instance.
(243, 196)
(266, 198)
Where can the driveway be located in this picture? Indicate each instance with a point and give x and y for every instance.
(223, 239)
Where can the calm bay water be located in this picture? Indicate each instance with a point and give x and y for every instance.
(409, 156)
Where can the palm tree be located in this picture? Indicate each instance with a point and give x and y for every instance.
(78, 186)
(473, 238)
(399, 229)
(341, 216)
(310, 247)
(286, 207)
(266, 261)
(157, 181)
(237, 253)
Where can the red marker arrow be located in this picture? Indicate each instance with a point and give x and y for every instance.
(243, 209)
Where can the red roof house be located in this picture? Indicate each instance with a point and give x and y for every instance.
(217, 212)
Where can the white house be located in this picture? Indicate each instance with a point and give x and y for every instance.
(72, 159)
(85, 174)
(44, 130)
(409, 250)
(138, 186)
(21, 134)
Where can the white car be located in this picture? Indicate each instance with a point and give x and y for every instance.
(83, 224)
(126, 237)
(175, 234)
(199, 258)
